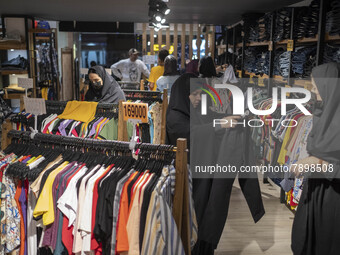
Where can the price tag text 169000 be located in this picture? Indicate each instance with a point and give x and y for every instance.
(137, 111)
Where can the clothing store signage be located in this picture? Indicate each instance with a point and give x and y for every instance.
(35, 106)
(239, 100)
(290, 45)
(149, 59)
(26, 83)
(135, 111)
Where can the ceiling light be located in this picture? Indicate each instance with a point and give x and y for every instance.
(163, 8)
(149, 43)
(162, 21)
(159, 25)
(156, 30)
(158, 17)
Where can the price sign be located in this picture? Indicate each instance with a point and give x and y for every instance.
(290, 45)
(270, 46)
(84, 71)
(288, 86)
(136, 111)
(261, 81)
(251, 79)
(35, 106)
(149, 59)
(26, 83)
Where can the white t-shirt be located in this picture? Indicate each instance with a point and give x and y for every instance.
(126, 70)
(166, 82)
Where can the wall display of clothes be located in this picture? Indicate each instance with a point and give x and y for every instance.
(258, 27)
(306, 20)
(333, 18)
(59, 200)
(331, 53)
(282, 145)
(47, 70)
(303, 60)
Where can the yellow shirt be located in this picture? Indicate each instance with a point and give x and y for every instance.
(79, 111)
(45, 205)
(156, 72)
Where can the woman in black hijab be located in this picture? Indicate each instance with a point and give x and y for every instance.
(211, 196)
(207, 67)
(103, 88)
(316, 228)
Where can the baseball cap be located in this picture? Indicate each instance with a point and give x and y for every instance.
(133, 51)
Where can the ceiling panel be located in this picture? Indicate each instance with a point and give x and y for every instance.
(182, 11)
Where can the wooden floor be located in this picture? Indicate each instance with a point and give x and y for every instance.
(271, 235)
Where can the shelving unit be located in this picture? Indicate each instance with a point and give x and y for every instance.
(9, 72)
(317, 41)
(12, 45)
(35, 39)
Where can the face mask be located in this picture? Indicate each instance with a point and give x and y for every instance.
(97, 85)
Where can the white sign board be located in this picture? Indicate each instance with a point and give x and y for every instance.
(149, 59)
(35, 106)
(84, 71)
(26, 83)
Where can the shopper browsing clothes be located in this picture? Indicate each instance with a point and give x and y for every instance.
(169, 76)
(130, 69)
(211, 195)
(157, 71)
(316, 228)
(103, 88)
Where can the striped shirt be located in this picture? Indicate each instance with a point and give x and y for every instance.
(116, 204)
(161, 235)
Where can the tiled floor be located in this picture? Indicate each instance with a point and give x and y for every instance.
(271, 235)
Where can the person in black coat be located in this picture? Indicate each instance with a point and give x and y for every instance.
(209, 145)
(316, 227)
(103, 88)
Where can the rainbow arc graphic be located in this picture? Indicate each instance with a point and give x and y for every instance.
(210, 94)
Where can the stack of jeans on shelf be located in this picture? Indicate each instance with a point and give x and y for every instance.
(303, 60)
(331, 53)
(264, 25)
(333, 18)
(277, 53)
(250, 60)
(238, 60)
(307, 20)
(282, 24)
(262, 63)
(284, 64)
(258, 28)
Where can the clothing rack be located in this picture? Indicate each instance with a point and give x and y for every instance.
(62, 104)
(181, 195)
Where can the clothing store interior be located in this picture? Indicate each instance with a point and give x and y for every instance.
(170, 127)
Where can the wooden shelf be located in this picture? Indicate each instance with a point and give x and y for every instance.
(40, 30)
(308, 40)
(253, 44)
(9, 72)
(16, 95)
(42, 38)
(12, 45)
(330, 38)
